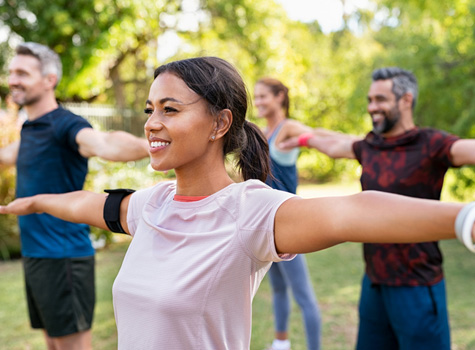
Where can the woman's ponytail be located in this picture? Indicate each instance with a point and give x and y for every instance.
(253, 161)
(221, 85)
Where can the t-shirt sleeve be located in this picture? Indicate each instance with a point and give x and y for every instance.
(141, 199)
(258, 207)
(137, 202)
(357, 150)
(440, 144)
(69, 127)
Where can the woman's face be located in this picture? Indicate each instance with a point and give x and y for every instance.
(180, 125)
(265, 101)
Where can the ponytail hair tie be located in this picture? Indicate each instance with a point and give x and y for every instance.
(303, 139)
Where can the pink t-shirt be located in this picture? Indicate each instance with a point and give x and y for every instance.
(193, 268)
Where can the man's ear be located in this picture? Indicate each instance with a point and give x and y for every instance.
(51, 80)
(407, 100)
(223, 123)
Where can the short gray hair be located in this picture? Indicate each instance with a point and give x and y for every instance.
(49, 60)
(403, 81)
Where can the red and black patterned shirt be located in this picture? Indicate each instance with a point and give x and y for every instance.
(413, 164)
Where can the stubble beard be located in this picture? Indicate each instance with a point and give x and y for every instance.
(26, 100)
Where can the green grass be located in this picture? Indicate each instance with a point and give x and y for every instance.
(15, 332)
(335, 273)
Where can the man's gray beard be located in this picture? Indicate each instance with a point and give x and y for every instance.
(386, 125)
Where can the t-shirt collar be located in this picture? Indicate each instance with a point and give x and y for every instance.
(381, 142)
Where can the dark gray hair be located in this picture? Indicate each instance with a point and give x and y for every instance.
(403, 81)
(49, 60)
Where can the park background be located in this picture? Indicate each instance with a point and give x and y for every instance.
(110, 48)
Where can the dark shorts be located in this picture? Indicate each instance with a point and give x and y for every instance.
(403, 318)
(60, 294)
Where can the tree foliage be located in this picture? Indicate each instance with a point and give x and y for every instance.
(109, 51)
(106, 46)
(436, 42)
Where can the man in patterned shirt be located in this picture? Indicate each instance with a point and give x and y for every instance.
(403, 299)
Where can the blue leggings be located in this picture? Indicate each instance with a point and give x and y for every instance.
(403, 318)
(294, 274)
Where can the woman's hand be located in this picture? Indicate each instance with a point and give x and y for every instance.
(20, 206)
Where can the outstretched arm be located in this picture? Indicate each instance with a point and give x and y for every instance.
(118, 146)
(333, 144)
(291, 128)
(8, 154)
(463, 152)
(79, 207)
(307, 225)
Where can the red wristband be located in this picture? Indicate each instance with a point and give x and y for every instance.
(303, 139)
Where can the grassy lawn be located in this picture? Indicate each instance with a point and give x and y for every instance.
(15, 332)
(335, 272)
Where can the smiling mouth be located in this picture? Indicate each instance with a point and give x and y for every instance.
(16, 90)
(158, 144)
(377, 117)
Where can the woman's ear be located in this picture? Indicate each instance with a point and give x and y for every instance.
(223, 123)
(281, 96)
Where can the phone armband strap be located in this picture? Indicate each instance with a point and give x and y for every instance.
(112, 208)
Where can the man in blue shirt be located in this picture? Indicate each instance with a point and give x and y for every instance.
(51, 157)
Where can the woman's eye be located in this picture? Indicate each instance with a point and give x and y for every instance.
(148, 111)
(169, 109)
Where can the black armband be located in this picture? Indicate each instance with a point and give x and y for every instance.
(112, 208)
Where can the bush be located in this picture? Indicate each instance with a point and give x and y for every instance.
(9, 235)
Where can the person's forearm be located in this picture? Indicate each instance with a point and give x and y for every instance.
(334, 146)
(325, 132)
(79, 207)
(124, 147)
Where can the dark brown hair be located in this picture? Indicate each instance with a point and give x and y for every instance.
(222, 87)
(277, 87)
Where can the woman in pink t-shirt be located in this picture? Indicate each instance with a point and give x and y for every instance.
(203, 243)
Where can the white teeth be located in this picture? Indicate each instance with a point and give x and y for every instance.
(155, 144)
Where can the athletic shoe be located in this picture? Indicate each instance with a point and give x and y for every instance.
(280, 345)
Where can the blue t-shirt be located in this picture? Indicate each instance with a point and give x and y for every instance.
(49, 162)
(283, 166)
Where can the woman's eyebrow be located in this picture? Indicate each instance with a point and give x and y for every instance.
(165, 99)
